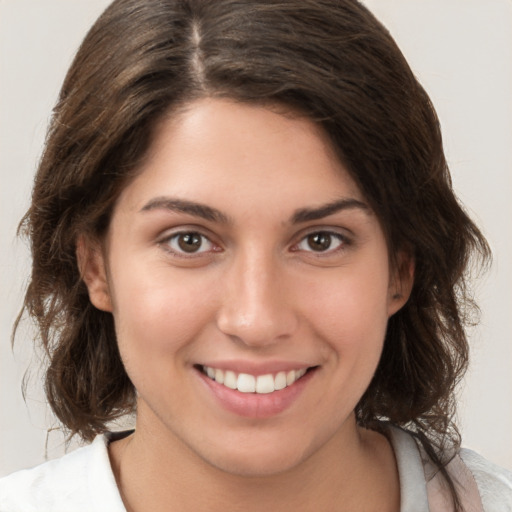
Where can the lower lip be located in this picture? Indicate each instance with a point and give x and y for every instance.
(256, 405)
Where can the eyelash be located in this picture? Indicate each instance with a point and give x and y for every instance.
(343, 241)
(169, 241)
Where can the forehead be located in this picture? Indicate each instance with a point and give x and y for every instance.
(228, 153)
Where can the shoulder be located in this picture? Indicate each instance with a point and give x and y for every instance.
(482, 485)
(79, 481)
(494, 482)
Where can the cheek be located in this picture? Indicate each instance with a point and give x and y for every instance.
(350, 312)
(158, 312)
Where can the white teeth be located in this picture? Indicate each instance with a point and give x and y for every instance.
(247, 383)
(230, 380)
(219, 376)
(280, 381)
(265, 384)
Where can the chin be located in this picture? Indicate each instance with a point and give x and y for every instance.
(256, 466)
(246, 460)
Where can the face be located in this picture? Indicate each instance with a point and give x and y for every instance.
(250, 286)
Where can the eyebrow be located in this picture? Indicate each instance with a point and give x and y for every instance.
(183, 206)
(309, 214)
(212, 214)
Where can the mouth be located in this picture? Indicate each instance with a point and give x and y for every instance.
(259, 384)
(255, 392)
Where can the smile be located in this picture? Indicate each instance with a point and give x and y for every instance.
(247, 383)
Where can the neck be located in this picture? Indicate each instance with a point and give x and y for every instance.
(354, 470)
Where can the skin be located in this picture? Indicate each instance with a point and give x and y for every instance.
(256, 291)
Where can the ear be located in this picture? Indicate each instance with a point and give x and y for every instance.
(92, 267)
(401, 283)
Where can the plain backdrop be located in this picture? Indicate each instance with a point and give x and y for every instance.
(461, 50)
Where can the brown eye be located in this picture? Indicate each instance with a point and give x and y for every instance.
(321, 241)
(189, 243)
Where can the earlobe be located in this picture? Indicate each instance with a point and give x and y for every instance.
(91, 264)
(401, 285)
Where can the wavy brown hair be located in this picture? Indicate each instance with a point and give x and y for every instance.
(329, 60)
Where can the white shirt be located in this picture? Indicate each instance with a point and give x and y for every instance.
(83, 481)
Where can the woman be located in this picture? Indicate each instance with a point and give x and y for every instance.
(243, 230)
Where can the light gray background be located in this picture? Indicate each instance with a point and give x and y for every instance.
(461, 50)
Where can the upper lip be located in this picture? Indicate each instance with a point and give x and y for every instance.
(257, 368)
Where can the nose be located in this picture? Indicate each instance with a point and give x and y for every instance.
(256, 308)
